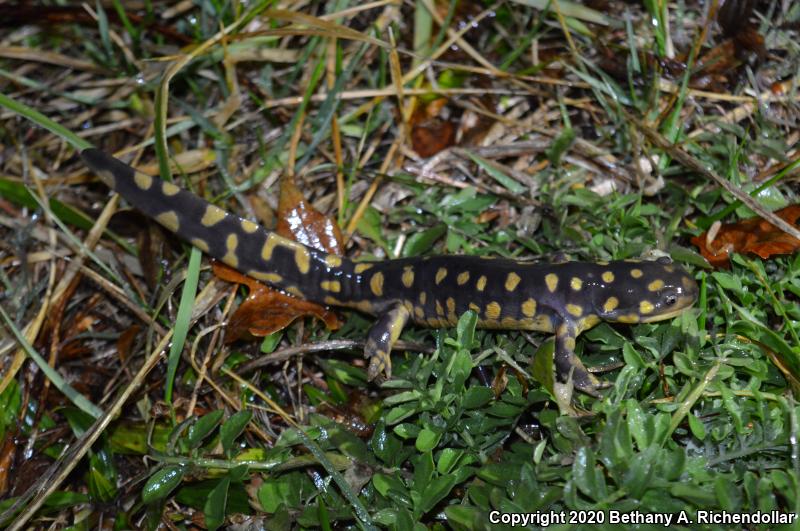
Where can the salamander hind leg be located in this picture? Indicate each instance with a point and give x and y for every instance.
(567, 362)
(382, 336)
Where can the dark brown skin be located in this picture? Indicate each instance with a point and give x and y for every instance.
(564, 299)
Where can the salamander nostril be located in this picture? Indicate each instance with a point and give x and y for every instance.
(670, 300)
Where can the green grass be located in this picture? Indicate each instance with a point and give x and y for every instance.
(700, 413)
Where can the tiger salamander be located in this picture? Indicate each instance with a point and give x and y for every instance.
(564, 299)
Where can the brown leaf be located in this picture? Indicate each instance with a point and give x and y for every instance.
(7, 460)
(125, 342)
(432, 136)
(430, 133)
(266, 310)
(300, 221)
(754, 235)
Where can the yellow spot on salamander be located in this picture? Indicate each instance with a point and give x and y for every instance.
(481, 284)
(646, 307)
(142, 180)
(512, 280)
(451, 305)
(608, 277)
(529, 308)
(200, 244)
(409, 306)
(332, 260)
(655, 285)
(212, 216)
(575, 310)
(331, 285)
(462, 278)
(272, 278)
(610, 304)
(169, 220)
(423, 297)
(169, 189)
(419, 313)
(364, 306)
(474, 307)
(230, 258)
(509, 323)
(440, 274)
(294, 290)
(636, 273)
(302, 258)
(408, 276)
(331, 301)
(569, 343)
(248, 226)
(688, 283)
(439, 308)
(628, 319)
(360, 268)
(493, 310)
(587, 322)
(669, 269)
(269, 245)
(576, 284)
(551, 279)
(376, 284)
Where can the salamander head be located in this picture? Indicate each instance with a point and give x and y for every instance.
(642, 292)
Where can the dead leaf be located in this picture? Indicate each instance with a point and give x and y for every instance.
(430, 131)
(432, 135)
(754, 235)
(301, 222)
(7, 460)
(266, 310)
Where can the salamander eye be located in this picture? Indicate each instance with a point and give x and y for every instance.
(670, 299)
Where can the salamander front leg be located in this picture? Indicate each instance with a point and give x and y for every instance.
(566, 361)
(382, 336)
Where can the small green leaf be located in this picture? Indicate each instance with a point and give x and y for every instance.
(288, 490)
(370, 226)
(271, 342)
(422, 242)
(697, 427)
(427, 439)
(728, 495)
(102, 479)
(214, 508)
(448, 459)
(232, 428)
(386, 484)
(476, 397)
(423, 471)
(631, 356)
(204, 426)
(507, 182)
(560, 145)
(162, 483)
(465, 329)
(435, 491)
(585, 474)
